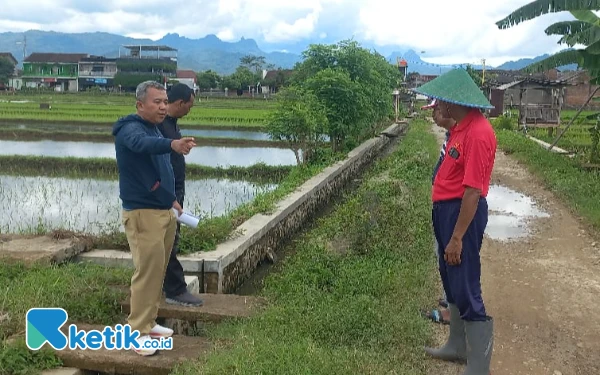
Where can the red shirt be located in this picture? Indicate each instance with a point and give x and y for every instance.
(469, 159)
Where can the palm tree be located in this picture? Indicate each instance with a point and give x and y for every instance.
(584, 30)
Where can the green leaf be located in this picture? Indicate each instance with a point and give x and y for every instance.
(541, 7)
(586, 16)
(593, 49)
(567, 28)
(554, 61)
(586, 37)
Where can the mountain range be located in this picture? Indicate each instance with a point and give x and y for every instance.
(200, 54)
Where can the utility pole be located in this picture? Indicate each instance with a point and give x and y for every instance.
(483, 75)
(24, 43)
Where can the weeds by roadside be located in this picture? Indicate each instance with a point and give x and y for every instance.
(580, 189)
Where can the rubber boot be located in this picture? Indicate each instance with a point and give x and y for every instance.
(455, 349)
(480, 339)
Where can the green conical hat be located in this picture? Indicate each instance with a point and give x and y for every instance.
(455, 87)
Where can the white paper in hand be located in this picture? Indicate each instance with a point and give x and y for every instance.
(187, 219)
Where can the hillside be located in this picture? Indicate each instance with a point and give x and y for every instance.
(197, 54)
(416, 64)
(521, 63)
(200, 54)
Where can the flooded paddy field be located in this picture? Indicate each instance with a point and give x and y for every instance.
(93, 206)
(202, 155)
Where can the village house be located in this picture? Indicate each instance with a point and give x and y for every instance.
(56, 71)
(96, 71)
(578, 93)
(187, 77)
(273, 80)
(11, 80)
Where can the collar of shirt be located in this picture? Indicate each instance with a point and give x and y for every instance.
(171, 119)
(466, 121)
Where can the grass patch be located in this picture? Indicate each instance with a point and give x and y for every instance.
(17, 359)
(106, 169)
(576, 139)
(85, 291)
(562, 175)
(348, 300)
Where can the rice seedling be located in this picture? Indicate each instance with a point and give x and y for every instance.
(35, 205)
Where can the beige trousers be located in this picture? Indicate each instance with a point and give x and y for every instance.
(150, 234)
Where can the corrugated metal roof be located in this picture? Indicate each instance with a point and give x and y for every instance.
(38, 57)
(9, 56)
(506, 86)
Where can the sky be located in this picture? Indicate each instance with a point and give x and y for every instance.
(441, 31)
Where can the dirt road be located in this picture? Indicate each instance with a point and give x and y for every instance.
(540, 280)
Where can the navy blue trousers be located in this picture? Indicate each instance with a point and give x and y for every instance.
(174, 283)
(461, 282)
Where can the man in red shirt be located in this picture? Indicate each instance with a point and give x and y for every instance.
(460, 215)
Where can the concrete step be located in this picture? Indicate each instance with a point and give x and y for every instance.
(193, 284)
(45, 249)
(129, 362)
(216, 308)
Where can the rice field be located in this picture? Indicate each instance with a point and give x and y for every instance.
(50, 182)
(110, 113)
(107, 108)
(40, 204)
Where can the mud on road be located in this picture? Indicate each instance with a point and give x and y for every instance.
(540, 280)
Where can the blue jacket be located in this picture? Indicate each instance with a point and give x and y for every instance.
(143, 157)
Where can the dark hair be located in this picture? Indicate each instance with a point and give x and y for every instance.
(180, 91)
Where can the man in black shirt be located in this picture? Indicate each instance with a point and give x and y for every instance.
(181, 100)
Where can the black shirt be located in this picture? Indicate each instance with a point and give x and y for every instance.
(170, 129)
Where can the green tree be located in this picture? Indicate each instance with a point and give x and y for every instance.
(344, 101)
(7, 69)
(240, 79)
(476, 76)
(300, 120)
(354, 84)
(208, 80)
(254, 63)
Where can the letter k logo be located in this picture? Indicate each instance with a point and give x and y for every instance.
(43, 325)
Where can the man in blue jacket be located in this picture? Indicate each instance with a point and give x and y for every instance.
(147, 192)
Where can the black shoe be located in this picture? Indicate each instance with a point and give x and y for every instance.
(184, 299)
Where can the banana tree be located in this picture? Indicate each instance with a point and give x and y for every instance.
(584, 30)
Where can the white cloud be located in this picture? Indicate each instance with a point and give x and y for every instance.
(456, 30)
(448, 32)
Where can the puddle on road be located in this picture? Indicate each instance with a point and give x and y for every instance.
(510, 212)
